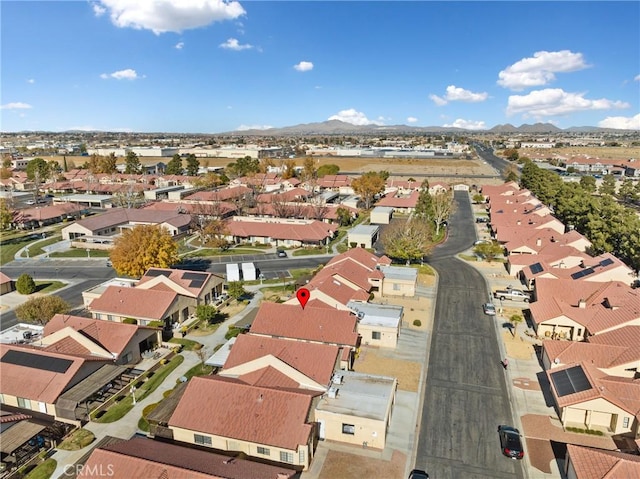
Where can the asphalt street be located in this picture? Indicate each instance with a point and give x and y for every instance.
(466, 395)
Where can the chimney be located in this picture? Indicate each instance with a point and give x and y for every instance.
(582, 304)
(539, 242)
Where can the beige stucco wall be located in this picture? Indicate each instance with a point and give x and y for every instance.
(562, 324)
(388, 336)
(367, 430)
(598, 413)
(249, 448)
(396, 287)
(361, 239)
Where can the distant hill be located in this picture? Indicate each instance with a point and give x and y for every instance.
(337, 127)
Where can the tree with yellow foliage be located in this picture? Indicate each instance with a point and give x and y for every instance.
(141, 248)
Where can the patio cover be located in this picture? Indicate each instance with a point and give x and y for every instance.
(67, 402)
(14, 437)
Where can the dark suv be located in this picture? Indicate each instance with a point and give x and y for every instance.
(418, 474)
(510, 442)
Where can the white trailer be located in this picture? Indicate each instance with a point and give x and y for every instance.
(249, 272)
(233, 272)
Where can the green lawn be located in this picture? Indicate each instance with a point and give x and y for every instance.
(187, 344)
(118, 410)
(80, 253)
(199, 370)
(43, 470)
(310, 251)
(11, 246)
(48, 286)
(36, 248)
(77, 440)
(217, 252)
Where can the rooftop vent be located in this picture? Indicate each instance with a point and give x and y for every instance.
(333, 392)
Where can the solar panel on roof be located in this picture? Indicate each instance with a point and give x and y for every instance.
(570, 381)
(584, 272)
(196, 283)
(536, 268)
(37, 361)
(157, 272)
(606, 262)
(194, 275)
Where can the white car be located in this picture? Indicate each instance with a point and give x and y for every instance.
(489, 309)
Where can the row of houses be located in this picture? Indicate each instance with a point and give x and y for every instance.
(291, 373)
(586, 313)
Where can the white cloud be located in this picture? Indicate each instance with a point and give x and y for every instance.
(31, 81)
(233, 44)
(253, 127)
(467, 124)
(637, 78)
(539, 69)
(555, 101)
(98, 10)
(162, 16)
(16, 105)
(179, 46)
(127, 74)
(455, 93)
(354, 117)
(304, 66)
(621, 122)
(412, 119)
(438, 100)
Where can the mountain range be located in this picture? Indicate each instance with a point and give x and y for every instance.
(337, 127)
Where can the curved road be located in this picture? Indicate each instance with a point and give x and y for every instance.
(466, 396)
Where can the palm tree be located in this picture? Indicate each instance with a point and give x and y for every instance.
(515, 319)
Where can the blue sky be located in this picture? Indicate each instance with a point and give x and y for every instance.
(208, 66)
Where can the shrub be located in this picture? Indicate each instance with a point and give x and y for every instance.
(25, 284)
(130, 321)
(417, 322)
(148, 409)
(353, 244)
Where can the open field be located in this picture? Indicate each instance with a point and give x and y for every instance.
(590, 151)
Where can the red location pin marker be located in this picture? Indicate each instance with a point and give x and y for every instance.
(303, 296)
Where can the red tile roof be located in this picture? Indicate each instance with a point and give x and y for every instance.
(146, 458)
(314, 324)
(35, 383)
(134, 302)
(311, 231)
(333, 181)
(591, 463)
(111, 335)
(236, 410)
(316, 361)
(401, 201)
(4, 278)
(178, 280)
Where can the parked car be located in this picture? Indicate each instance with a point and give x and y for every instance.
(109, 264)
(481, 241)
(418, 474)
(489, 309)
(482, 219)
(513, 294)
(281, 253)
(510, 442)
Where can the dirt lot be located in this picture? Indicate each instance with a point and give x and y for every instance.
(339, 465)
(371, 362)
(590, 151)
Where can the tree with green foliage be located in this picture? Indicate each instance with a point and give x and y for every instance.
(344, 216)
(205, 312)
(174, 167)
(608, 186)
(25, 284)
(628, 192)
(193, 165)
(410, 241)
(243, 166)
(143, 247)
(489, 251)
(424, 205)
(515, 319)
(41, 310)
(6, 214)
(588, 183)
(478, 198)
(38, 171)
(511, 173)
(236, 289)
(329, 169)
(511, 154)
(368, 186)
(132, 164)
(309, 171)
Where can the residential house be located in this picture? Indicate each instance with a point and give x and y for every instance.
(6, 284)
(378, 324)
(399, 281)
(400, 203)
(585, 397)
(34, 379)
(576, 310)
(141, 457)
(108, 225)
(279, 231)
(311, 324)
(280, 428)
(591, 463)
(363, 236)
(123, 343)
